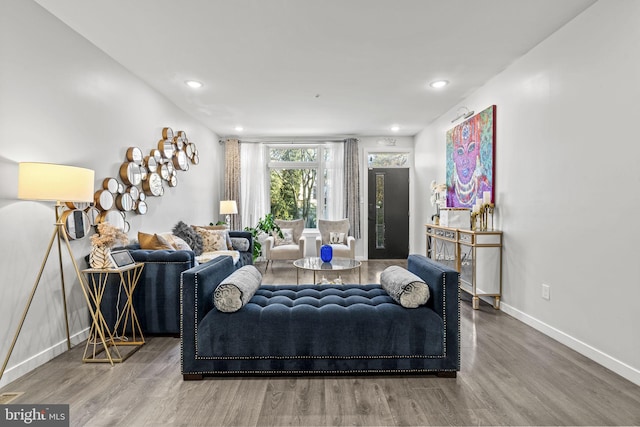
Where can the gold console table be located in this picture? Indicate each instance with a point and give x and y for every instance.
(476, 255)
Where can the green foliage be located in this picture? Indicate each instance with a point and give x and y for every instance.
(292, 192)
(265, 225)
(293, 188)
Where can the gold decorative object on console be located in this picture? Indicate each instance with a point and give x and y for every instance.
(481, 211)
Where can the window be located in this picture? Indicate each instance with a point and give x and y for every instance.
(388, 160)
(303, 181)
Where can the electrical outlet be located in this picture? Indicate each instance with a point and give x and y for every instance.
(546, 292)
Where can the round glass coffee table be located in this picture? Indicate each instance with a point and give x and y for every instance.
(316, 265)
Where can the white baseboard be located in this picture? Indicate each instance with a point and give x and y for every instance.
(629, 372)
(26, 366)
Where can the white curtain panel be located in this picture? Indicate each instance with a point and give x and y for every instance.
(334, 181)
(254, 187)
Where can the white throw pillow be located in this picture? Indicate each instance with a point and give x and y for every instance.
(337, 238)
(178, 243)
(287, 237)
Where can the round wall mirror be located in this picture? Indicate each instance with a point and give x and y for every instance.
(156, 154)
(180, 160)
(124, 202)
(93, 213)
(151, 163)
(153, 185)
(166, 148)
(114, 218)
(141, 208)
(103, 199)
(130, 173)
(179, 142)
(167, 133)
(110, 184)
(78, 205)
(134, 154)
(76, 223)
(164, 171)
(134, 192)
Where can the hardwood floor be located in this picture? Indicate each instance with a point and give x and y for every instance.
(511, 375)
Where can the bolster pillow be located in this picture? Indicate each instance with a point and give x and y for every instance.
(407, 289)
(235, 291)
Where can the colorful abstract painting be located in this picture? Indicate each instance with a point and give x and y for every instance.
(470, 155)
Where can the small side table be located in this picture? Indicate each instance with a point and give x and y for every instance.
(101, 338)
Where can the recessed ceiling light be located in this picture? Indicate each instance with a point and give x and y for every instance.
(395, 128)
(193, 83)
(239, 128)
(438, 84)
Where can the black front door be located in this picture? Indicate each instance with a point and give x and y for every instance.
(388, 215)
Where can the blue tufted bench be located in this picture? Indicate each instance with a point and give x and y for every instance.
(319, 329)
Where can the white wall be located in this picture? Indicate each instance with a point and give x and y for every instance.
(566, 178)
(64, 101)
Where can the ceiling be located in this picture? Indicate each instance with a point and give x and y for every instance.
(311, 67)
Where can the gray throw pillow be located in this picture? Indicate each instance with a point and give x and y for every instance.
(235, 291)
(189, 235)
(240, 244)
(407, 289)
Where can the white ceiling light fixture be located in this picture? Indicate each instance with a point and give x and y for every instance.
(437, 84)
(193, 84)
(239, 128)
(395, 128)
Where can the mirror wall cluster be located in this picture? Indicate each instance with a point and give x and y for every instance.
(140, 176)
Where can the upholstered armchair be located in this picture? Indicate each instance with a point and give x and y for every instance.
(343, 245)
(291, 247)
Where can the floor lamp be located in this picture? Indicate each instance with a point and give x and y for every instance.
(58, 183)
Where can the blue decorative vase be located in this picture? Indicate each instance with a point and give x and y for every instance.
(326, 253)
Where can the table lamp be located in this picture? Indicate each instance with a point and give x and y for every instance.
(228, 207)
(57, 183)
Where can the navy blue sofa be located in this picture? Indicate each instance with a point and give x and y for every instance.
(320, 329)
(156, 298)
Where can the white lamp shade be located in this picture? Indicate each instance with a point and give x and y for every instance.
(228, 207)
(60, 183)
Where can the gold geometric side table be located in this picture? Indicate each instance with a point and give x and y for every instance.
(102, 344)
